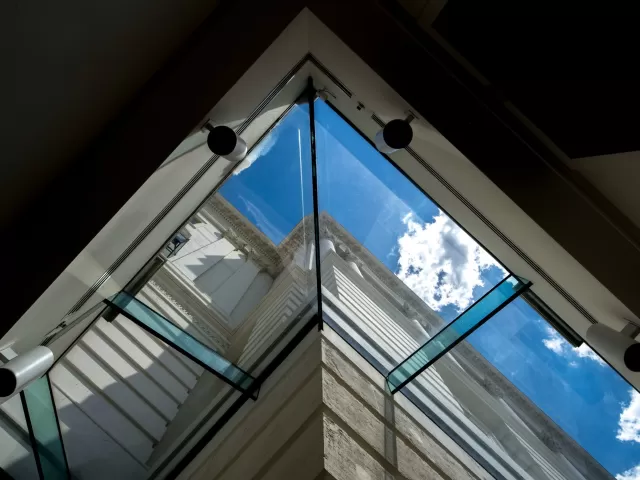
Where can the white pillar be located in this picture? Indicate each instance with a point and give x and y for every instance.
(326, 246)
(304, 256)
(352, 261)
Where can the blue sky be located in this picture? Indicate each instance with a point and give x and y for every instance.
(408, 233)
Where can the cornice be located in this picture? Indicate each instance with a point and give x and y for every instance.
(244, 235)
(547, 431)
(197, 317)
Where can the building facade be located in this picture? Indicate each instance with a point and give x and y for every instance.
(128, 402)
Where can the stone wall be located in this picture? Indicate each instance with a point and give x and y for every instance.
(325, 414)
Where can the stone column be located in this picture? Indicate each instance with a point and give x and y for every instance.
(352, 261)
(326, 242)
(326, 246)
(303, 256)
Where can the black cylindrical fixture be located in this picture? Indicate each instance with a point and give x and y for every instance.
(632, 357)
(395, 135)
(223, 141)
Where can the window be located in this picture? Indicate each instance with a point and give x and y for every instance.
(404, 269)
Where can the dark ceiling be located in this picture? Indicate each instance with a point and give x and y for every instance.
(570, 68)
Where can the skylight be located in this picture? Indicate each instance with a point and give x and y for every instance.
(443, 266)
(272, 186)
(399, 224)
(573, 386)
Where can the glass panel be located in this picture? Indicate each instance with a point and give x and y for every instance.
(44, 423)
(163, 328)
(397, 270)
(395, 266)
(244, 282)
(471, 319)
(247, 266)
(16, 453)
(530, 394)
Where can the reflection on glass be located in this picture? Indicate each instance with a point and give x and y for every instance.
(472, 318)
(243, 285)
(396, 270)
(378, 219)
(246, 275)
(40, 409)
(18, 459)
(585, 399)
(244, 282)
(179, 339)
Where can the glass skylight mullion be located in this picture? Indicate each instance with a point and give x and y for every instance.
(154, 323)
(311, 97)
(470, 320)
(44, 430)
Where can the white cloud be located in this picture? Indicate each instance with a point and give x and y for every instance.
(260, 150)
(631, 474)
(560, 346)
(440, 262)
(584, 351)
(629, 422)
(556, 343)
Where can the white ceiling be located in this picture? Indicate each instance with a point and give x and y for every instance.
(69, 67)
